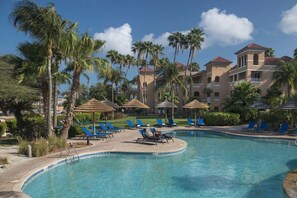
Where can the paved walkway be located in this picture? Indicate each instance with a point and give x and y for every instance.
(12, 177)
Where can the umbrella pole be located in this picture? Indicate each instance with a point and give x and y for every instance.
(258, 123)
(94, 123)
(195, 119)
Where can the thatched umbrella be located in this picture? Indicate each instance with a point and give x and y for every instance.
(134, 103)
(290, 105)
(195, 104)
(166, 104)
(259, 105)
(111, 104)
(93, 106)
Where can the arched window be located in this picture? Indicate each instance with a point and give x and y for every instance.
(217, 79)
(145, 85)
(196, 94)
(209, 80)
(256, 59)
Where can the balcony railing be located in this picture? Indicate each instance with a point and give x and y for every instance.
(256, 80)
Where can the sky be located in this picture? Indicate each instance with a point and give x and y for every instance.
(228, 25)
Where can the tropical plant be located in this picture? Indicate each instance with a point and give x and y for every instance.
(81, 59)
(46, 26)
(176, 40)
(286, 74)
(269, 52)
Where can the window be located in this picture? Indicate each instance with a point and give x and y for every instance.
(217, 94)
(145, 85)
(196, 94)
(256, 76)
(235, 77)
(245, 60)
(209, 80)
(217, 79)
(256, 59)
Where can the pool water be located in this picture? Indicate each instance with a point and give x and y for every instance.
(213, 165)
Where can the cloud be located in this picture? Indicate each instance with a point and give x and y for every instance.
(288, 23)
(119, 39)
(224, 29)
(162, 39)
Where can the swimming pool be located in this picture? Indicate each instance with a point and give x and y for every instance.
(214, 165)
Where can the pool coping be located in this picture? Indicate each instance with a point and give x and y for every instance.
(288, 190)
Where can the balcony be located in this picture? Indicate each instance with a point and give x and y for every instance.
(256, 80)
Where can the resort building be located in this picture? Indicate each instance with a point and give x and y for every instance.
(217, 81)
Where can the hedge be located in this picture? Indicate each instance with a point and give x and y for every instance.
(3, 128)
(221, 119)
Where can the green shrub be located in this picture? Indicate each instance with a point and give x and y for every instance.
(39, 147)
(221, 119)
(33, 127)
(11, 125)
(81, 117)
(55, 142)
(23, 147)
(74, 130)
(3, 128)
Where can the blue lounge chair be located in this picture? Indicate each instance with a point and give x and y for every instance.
(105, 129)
(263, 126)
(284, 128)
(171, 123)
(109, 134)
(147, 138)
(162, 136)
(85, 121)
(190, 122)
(111, 127)
(251, 126)
(200, 122)
(89, 134)
(139, 122)
(160, 123)
(130, 124)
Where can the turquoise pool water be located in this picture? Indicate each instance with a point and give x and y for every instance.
(213, 165)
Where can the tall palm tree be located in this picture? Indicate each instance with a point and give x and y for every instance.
(81, 51)
(286, 74)
(137, 49)
(112, 55)
(195, 39)
(46, 26)
(175, 40)
(295, 53)
(130, 62)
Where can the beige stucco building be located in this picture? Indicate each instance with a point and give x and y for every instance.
(217, 81)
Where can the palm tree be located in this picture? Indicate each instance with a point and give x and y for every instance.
(194, 67)
(286, 74)
(112, 55)
(269, 52)
(46, 26)
(195, 39)
(130, 62)
(295, 53)
(137, 49)
(175, 41)
(81, 51)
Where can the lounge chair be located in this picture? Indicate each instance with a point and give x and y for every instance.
(110, 126)
(284, 128)
(160, 123)
(200, 122)
(139, 122)
(105, 129)
(85, 121)
(109, 134)
(162, 136)
(90, 135)
(190, 122)
(130, 124)
(147, 138)
(251, 126)
(77, 121)
(171, 123)
(263, 126)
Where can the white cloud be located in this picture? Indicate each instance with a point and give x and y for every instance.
(119, 39)
(162, 39)
(224, 29)
(288, 23)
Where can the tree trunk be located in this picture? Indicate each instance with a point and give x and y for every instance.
(50, 89)
(289, 91)
(45, 92)
(175, 54)
(55, 102)
(112, 93)
(71, 106)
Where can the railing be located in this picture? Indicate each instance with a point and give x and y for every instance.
(70, 158)
(256, 80)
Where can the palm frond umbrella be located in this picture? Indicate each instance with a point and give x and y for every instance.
(111, 104)
(259, 105)
(134, 103)
(290, 105)
(166, 104)
(195, 104)
(93, 106)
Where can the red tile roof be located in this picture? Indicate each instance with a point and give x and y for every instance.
(219, 60)
(274, 61)
(251, 46)
(180, 65)
(147, 69)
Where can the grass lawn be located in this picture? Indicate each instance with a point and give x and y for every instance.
(152, 120)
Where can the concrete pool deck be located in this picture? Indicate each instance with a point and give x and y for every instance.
(21, 168)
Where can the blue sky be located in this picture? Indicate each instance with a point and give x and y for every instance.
(228, 25)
